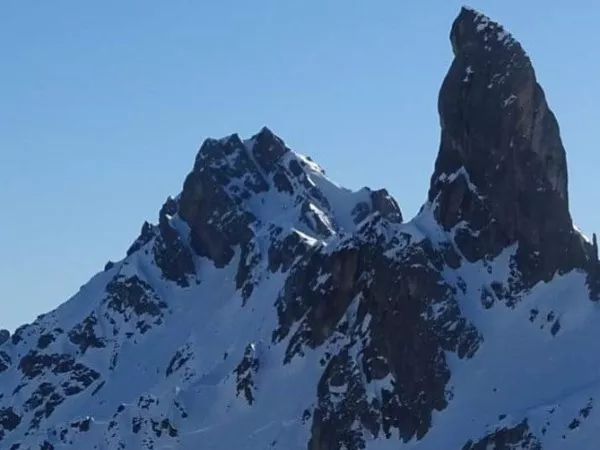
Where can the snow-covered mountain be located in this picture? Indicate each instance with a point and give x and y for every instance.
(270, 308)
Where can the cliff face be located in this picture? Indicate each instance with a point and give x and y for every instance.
(272, 308)
(501, 173)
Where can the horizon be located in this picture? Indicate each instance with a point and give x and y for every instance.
(102, 115)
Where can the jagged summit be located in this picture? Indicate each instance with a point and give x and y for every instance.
(270, 308)
(243, 195)
(473, 28)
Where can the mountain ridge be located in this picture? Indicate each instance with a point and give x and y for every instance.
(271, 301)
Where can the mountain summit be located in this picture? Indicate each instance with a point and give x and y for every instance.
(270, 308)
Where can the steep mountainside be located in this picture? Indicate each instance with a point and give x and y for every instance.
(270, 308)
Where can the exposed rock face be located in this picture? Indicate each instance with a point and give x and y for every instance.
(4, 336)
(386, 205)
(501, 175)
(507, 438)
(171, 254)
(216, 222)
(245, 372)
(395, 335)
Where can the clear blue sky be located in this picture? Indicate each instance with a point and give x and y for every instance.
(103, 105)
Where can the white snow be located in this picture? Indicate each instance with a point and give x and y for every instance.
(581, 233)
(468, 72)
(510, 100)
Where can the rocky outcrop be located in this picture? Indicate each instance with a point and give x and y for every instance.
(135, 301)
(210, 204)
(268, 150)
(9, 420)
(245, 373)
(4, 336)
(84, 334)
(385, 204)
(404, 318)
(146, 234)
(501, 176)
(171, 253)
(506, 438)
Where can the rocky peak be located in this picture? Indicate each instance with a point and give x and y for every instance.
(500, 176)
(267, 149)
(240, 186)
(259, 199)
(473, 29)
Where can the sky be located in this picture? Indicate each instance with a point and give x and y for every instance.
(103, 106)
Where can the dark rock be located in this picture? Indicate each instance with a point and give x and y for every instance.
(245, 372)
(9, 420)
(519, 436)
(168, 209)
(84, 335)
(555, 327)
(282, 182)
(282, 253)
(487, 299)
(4, 336)
(501, 167)
(407, 341)
(386, 205)
(178, 360)
(451, 258)
(146, 401)
(533, 313)
(82, 425)
(158, 427)
(309, 191)
(295, 168)
(585, 412)
(171, 254)
(43, 401)
(333, 419)
(17, 336)
(267, 149)
(43, 391)
(146, 235)
(249, 259)
(5, 361)
(313, 220)
(45, 340)
(360, 212)
(97, 388)
(34, 364)
(135, 299)
(211, 207)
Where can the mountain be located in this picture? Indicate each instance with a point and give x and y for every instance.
(270, 308)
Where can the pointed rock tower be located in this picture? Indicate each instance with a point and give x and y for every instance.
(500, 176)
